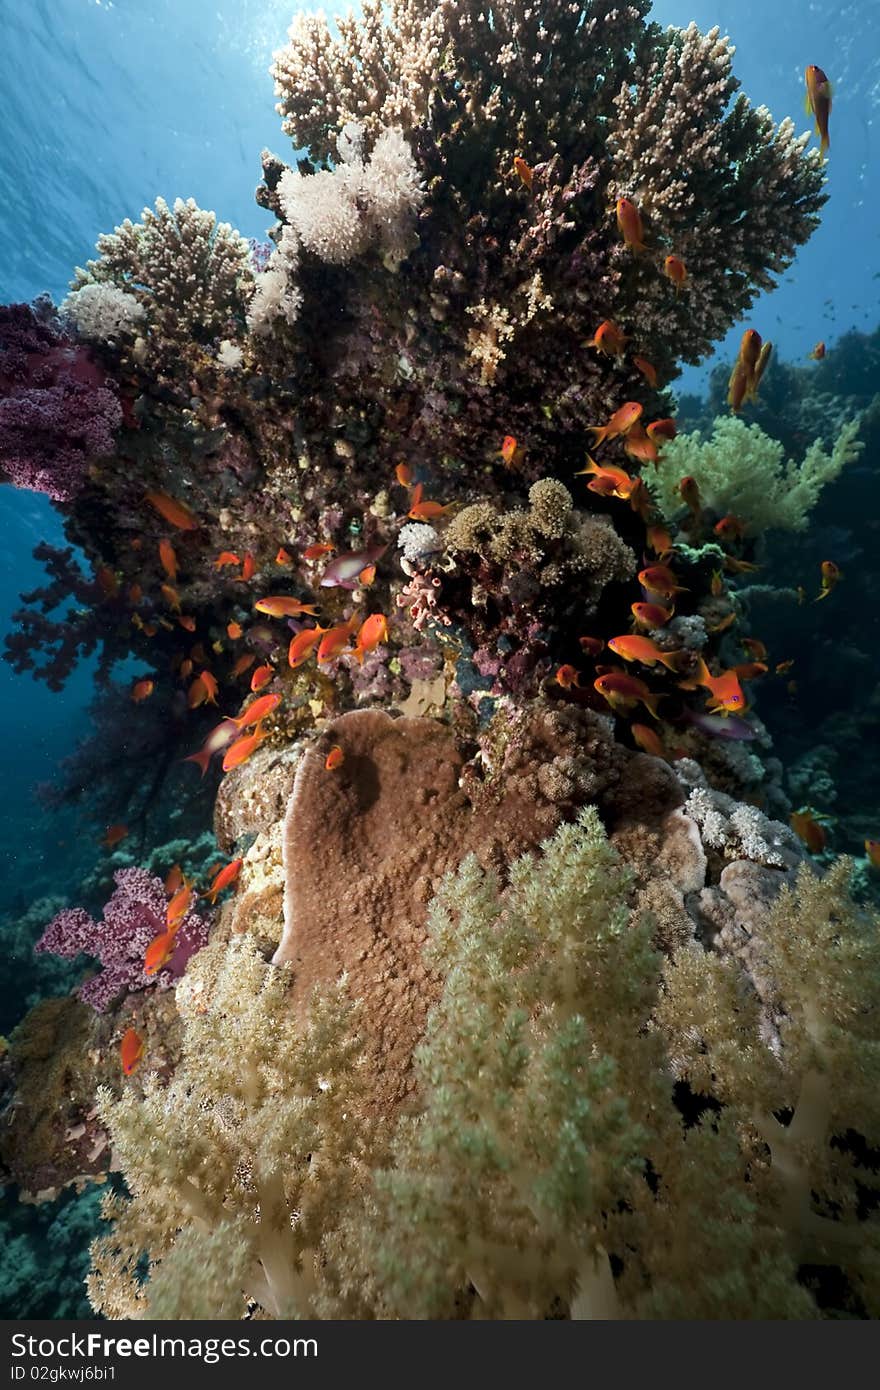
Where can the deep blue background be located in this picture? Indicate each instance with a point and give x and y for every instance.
(105, 105)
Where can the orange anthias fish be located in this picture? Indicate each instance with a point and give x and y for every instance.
(425, 510)
(818, 352)
(178, 906)
(159, 952)
(808, 829)
(651, 615)
(818, 103)
(830, 577)
(243, 748)
(661, 429)
(314, 552)
(284, 606)
(748, 369)
(567, 676)
(108, 582)
(659, 579)
(755, 648)
(648, 740)
(624, 692)
(234, 631)
(730, 528)
(725, 690)
(173, 511)
(647, 369)
(735, 566)
(202, 691)
(302, 645)
(187, 623)
(523, 172)
(632, 647)
(659, 540)
(283, 557)
(334, 759)
(223, 879)
(171, 597)
(716, 584)
(404, 475)
(727, 621)
(114, 834)
(226, 557)
(607, 338)
(169, 559)
(638, 444)
(131, 1050)
(690, 495)
(872, 850)
(173, 880)
(261, 677)
(592, 646)
(373, 632)
(630, 224)
(260, 709)
(142, 690)
(750, 670)
(511, 451)
(607, 480)
(367, 575)
(135, 593)
(621, 421)
(248, 568)
(244, 663)
(337, 639)
(186, 669)
(219, 738)
(674, 270)
(782, 668)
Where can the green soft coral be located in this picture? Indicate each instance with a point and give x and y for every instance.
(741, 471)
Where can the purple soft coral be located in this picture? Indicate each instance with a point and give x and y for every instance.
(133, 916)
(57, 412)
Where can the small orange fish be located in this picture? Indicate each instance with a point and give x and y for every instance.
(178, 906)
(171, 597)
(639, 445)
(372, 633)
(337, 639)
(648, 740)
(872, 850)
(511, 451)
(737, 386)
(135, 593)
(674, 270)
(659, 540)
(716, 584)
(314, 552)
(630, 224)
(169, 559)
(783, 667)
(234, 631)
(108, 582)
(334, 758)
(523, 172)
(284, 606)
(818, 352)
(243, 748)
(735, 566)
(114, 834)
(223, 879)
(621, 421)
(404, 475)
(150, 629)
(647, 369)
(248, 568)
(748, 369)
(425, 510)
(592, 646)
(186, 668)
(651, 615)
(727, 621)
(567, 676)
(187, 623)
(173, 511)
(261, 677)
(729, 528)
(203, 690)
(624, 692)
(142, 690)
(633, 647)
(808, 830)
(661, 429)
(218, 738)
(818, 103)
(690, 495)
(366, 576)
(607, 480)
(750, 670)
(244, 663)
(173, 880)
(260, 709)
(830, 577)
(608, 339)
(159, 952)
(659, 579)
(726, 691)
(302, 645)
(226, 557)
(131, 1050)
(283, 557)
(755, 648)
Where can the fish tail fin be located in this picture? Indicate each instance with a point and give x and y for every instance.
(203, 759)
(650, 703)
(600, 434)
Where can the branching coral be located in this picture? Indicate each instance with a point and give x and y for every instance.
(740, 471)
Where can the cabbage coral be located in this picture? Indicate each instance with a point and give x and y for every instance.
(741, 471)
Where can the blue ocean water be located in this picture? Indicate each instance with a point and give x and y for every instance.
(105, 104)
